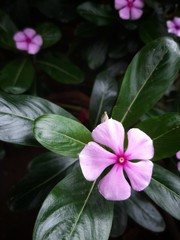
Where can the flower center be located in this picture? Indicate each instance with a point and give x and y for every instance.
(28, 40)
(130, 4)
(121, 160)
(177, 27)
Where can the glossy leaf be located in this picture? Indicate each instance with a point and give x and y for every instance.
(61, 70)
(74, 209)
(17, 76)
(45, 171)
(50, 33)
(120, 219)
(17, 114)
(142, 211)
(150, 74)
(99, 14)
(61, 135)
(103, 97)
(164, 190)
(165, 132)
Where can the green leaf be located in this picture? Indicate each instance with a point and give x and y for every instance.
(164, 190)
(73, 210)
(150, 74)
(96, 52)
(61, 70)
(45, 171)
(17, 76)
(7, 30)
(17, 114)
(165, 132)
(120, 219)
(99, 14)
(50, 33)
(103, 97)
(142, 211)
(61, 135)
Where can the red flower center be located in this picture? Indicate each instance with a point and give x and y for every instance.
(130, 4)
(121, 160)
(28, 40)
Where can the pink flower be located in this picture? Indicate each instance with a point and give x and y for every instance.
(129, 9)
(178, 155)
(94, 159)
(174, 26)
(28, 40)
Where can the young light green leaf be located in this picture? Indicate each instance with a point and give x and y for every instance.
(61, 70)
(17, 114)
(150, 74)
(165, 132)
(45, 171)
(74, 209)
(164, 190)
(142, 211)
(61, 135)
(17, 76)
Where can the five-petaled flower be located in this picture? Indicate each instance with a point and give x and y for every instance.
(134, 161)
(129, 9)
(174, 26)
(28, 40)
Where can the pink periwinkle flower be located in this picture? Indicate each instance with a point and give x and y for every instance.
(28, 40)
(129, 9)
(134, 160)
(174, 26)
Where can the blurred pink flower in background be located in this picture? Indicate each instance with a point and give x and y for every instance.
(174, 26)
(28, 40)
(129, 9)
(178, 163)
(94, 159)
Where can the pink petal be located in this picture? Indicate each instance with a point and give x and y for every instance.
(111, 134)
(140, 145)
(19, 37)
(177, 21)
(138, 4)
(22, 46)
(139, 174)
(29, 32)
(136, 13)
(170, 24)
(33, 48)
(178, 155)
(114, 185)
(120, 4)
(94, 159)
(178, 33)
(124, 13)
(37, 40)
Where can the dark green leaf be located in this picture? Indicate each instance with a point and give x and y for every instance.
(50, 33)
(73, 210)
(61, 135)
(17, 76)
(142, 211)
(164, 190)
(45, 171)
(150, 74)
(99, 14)
(120, 219)
(61, 70)
(165, 132)
(17, 114)
(103, 97)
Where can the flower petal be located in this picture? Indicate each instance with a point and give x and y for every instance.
(37, 40)
(111, 134)
(120, 4)
(33, 48)
(138, 4)
(178, 154)
(19, 37)
(177, 21)
(22, 46)
(139, 174)
(124, 13)
(29, 32)
(114, 185)
(170, 24)
(135, 13)
(140, 145)
(94, 159)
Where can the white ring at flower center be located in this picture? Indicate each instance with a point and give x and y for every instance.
(121, 160)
